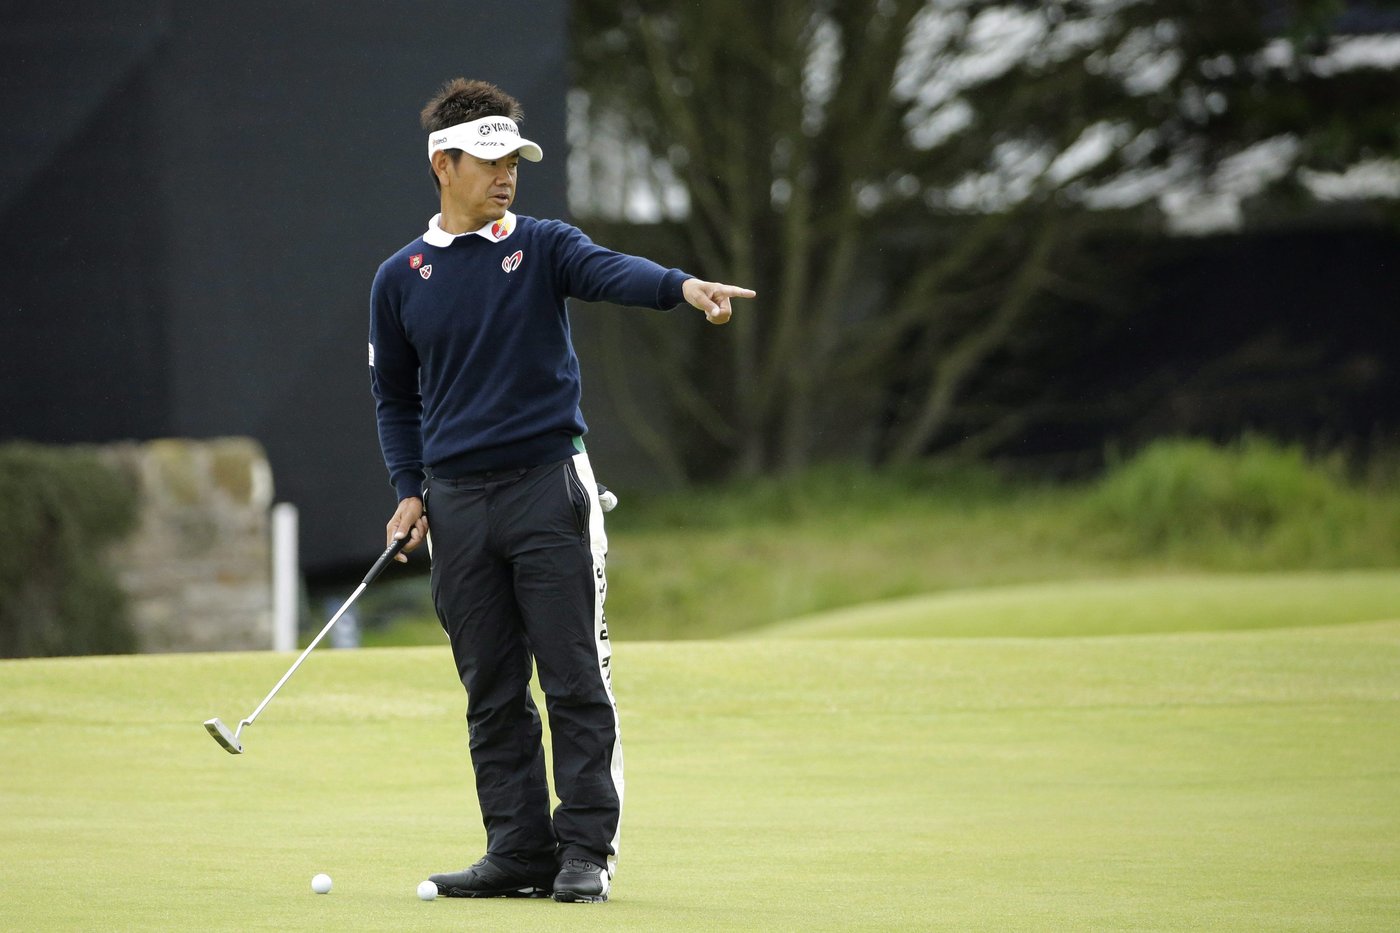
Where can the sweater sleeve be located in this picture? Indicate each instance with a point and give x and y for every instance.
(590, 272)
(394, 381)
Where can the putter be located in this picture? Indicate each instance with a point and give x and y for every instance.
(230, 739)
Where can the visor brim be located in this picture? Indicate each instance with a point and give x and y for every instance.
(527, 150)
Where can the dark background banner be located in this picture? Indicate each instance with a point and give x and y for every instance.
(194, 199)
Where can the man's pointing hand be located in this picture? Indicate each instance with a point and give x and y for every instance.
(713, 298)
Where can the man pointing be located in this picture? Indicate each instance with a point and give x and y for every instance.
(477, 395)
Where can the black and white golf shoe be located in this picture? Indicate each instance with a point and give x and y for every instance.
(581, 882)
(491, 878)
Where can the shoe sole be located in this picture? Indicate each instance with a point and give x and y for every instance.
(444, 891)
(568, 897)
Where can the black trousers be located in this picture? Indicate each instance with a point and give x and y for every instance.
(518, 577)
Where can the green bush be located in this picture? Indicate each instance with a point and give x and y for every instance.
(57, 595)
(1250, 499)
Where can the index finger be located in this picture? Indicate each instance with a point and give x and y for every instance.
(734, 291)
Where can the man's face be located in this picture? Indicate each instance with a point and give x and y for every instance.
(482, 189)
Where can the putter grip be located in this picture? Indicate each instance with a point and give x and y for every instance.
(384, 558)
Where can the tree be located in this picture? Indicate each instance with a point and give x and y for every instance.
(907, 183)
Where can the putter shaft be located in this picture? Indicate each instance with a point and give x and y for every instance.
(230, 740)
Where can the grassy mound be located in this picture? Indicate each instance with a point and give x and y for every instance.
(1117, 607)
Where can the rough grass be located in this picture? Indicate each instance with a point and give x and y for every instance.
(716, 561)
(712, 562)
(1205, 781)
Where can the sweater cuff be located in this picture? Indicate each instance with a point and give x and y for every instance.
(670, 293)
(409, 485)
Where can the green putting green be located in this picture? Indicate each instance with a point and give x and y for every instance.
(1190, 780)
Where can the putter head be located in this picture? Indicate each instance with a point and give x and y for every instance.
(224, 737)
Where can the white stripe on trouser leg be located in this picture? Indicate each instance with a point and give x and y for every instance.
(428, 537)
(598, 540)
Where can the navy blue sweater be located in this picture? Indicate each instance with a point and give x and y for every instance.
(471, 362)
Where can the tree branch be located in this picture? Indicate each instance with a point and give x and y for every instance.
(617, 375)
(974, 347)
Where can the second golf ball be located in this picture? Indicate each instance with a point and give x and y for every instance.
(427, 890)
(321, 884)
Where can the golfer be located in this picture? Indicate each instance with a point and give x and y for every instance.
(477, 393)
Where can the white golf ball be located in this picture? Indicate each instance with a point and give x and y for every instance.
(427, 891)
(321, 884)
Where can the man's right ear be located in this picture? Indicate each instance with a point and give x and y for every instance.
(441, 160)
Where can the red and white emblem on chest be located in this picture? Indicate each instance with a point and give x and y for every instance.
(512, 262)
(415, 260)
(426, 270)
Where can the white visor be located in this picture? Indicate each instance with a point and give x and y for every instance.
(487, 138)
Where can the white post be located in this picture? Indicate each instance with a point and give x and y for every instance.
(284, 577)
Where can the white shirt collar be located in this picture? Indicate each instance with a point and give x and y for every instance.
(495, 231)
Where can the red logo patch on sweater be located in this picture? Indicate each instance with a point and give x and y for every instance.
(415, 260)
(426, 270)
(512, 262)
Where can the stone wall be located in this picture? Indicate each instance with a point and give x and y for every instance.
(198, 570)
